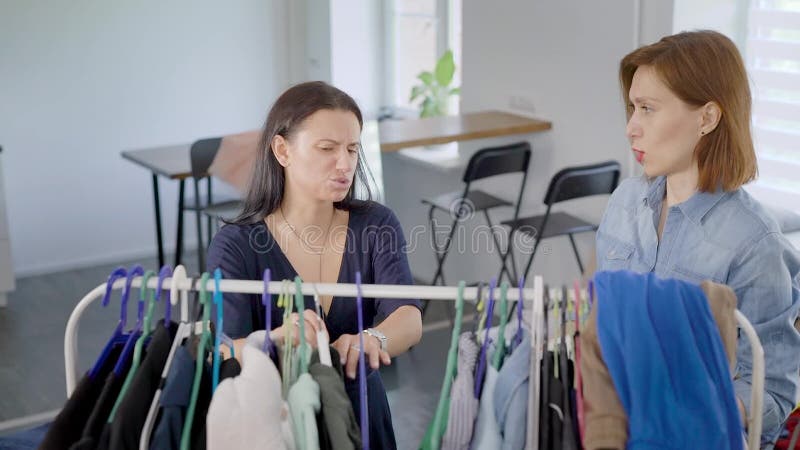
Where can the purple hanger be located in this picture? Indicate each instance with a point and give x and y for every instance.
(482, 360)
(518, 335)
(119, 336)
(165, 271)
(137, 329)
(591, 293)
(266, 300)
(362, 368)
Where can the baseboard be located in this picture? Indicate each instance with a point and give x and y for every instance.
(98, 260)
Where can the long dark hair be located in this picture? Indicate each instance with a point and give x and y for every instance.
(267, 182)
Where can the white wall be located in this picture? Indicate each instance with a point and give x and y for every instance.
(356, 40)
(563, 58)
(81, 81)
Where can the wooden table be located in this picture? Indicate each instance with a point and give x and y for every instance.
(398, 134)
(171, 162)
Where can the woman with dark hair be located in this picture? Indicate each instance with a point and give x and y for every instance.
(688, 104)
(302, 217)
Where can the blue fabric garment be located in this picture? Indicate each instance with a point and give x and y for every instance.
(511, 395)
(24, 440)
(666, 359)
(728, 238)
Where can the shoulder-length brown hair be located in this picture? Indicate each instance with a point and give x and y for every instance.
(700, 67)
(267, 182)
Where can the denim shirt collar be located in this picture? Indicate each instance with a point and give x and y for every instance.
(695, 208)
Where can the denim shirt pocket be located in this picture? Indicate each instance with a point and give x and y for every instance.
(618, 256)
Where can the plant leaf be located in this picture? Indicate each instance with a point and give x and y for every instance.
(445, 68)
(416, 91)
(455, 91)
(428, 108)
(426, 78)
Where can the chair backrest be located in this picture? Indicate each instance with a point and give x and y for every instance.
(583, 181)
(202, 154)
(497, 161)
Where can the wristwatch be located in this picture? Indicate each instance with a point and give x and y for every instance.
(381, 337)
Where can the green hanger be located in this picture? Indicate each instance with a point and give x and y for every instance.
(137, 349)
(299, 303)
(501, 336)
(435, 433)
(205, 338)
(286, 366)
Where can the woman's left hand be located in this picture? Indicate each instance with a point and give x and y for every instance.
(348, 346)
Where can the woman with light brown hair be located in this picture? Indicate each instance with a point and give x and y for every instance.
(688, 107)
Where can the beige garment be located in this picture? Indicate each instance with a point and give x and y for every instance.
(236, 158)
(606, 422)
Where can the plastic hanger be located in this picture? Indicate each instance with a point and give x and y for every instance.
(484, 348)
(144, 292)
(121, 365)
(220, 336)
(175, 295)
(449, 372)
(166, 271)
(268, 347)
(119, 336)
(205, 337)
(288, 339)
(362, 368)
(299, 303)
(499, 353)
(518, 334)
(323, 340)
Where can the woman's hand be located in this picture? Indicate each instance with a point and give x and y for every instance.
(312, 326)
(348, 346)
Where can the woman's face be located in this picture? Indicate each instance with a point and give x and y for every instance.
(320, 158)
(663, 130)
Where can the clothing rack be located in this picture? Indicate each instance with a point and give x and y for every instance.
(375, 291)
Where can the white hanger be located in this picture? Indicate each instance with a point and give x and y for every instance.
(178, 277)
(323, 340)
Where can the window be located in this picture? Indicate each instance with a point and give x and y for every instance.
(418, 32)
(773, 61)
(767, 33)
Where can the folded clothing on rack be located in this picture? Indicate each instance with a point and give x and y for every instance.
(667, 315)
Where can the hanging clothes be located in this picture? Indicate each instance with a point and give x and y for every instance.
(304, 404)
(68, 425)
(96, 423)
(606, 424)
(487, 433)
(175, 399)
(247, 411)
(511, 395)
(660, 332)
(337, 423)
(463, 404)
(129, 419)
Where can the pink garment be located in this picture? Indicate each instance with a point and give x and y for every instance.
(235, 159)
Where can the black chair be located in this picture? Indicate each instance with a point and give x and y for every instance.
(202, 154)
(485, 163)
(567, 184)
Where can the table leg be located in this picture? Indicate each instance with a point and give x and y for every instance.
(159, 236)
(179, 239)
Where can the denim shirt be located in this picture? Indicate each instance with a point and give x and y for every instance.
(726, 237)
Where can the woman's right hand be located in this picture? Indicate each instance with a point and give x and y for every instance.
(313, 325)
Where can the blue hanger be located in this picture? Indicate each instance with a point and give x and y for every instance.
(166, 271)
(119, 336)
(220, 336)
(518, 334)
(137, 329)
(266, 300)
(362, 368)
(484, 348)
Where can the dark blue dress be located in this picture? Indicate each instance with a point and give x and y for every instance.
(375, 245)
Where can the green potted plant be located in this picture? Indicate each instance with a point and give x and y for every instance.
(435, 90)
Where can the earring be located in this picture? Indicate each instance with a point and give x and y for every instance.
(702, 133)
